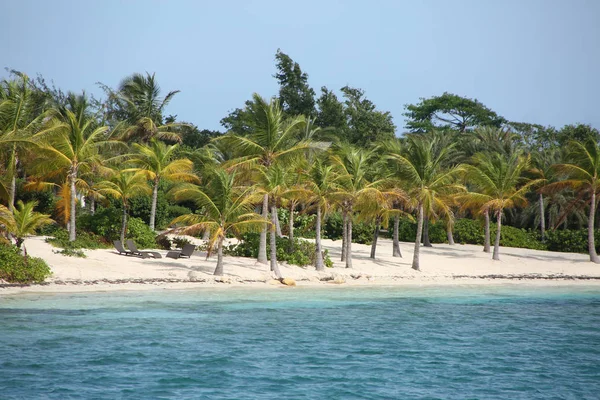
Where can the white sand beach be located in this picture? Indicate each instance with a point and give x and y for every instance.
(441, 264)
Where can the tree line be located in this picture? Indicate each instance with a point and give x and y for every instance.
(307, 153)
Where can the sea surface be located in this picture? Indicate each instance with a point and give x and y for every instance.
(451, 342)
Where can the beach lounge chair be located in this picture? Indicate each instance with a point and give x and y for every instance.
(144, 254)
(119, 247)
(186, 251)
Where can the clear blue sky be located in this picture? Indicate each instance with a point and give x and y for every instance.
(529, 60)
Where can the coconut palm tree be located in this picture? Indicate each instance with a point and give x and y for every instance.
(428, 183)
(72, 144)
(227, 210)
(125, 185)
(21, 114)
(542, 169)
(498, 183)
(156, 161)
(23, 222)
(272, 138)
(582, 173)
(139, 108)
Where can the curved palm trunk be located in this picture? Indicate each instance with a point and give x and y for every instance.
(415, 263)
(319, 264)
(278, 224)
(591, 242)
(153, 206)
(344, 234)
(375, 237)
(349, 242)
(486, 240)
(262, 244)
(496, 255)
(542, 218)
(124, 223)
(291, 228)
(449, 233)
(274, 266)
(73, 195)
(396, 243)
(219, 269)
(426, 241)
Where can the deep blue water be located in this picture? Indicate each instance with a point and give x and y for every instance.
(512, 342)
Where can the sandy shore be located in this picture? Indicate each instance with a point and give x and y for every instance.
(105, 270)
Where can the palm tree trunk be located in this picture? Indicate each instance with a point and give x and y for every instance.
(124, 223)
(291, 227)
(13, 181)
(375, 237)
(396, 242)
(277, 223)
(542, 218)
(486, 240)
(262, 244)
(415, 263)
(219, 269)
(591, 242)
(274, 266)
(92, 205)
(449, 233)
(349, 241)
(206, 234)
(344, 234)
(496, 255)
(319, 265)
(153, 206)
(73, 194)
(426, 241)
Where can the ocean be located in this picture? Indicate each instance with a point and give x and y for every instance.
(336, 342)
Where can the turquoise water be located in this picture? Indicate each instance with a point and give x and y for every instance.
(508, 342)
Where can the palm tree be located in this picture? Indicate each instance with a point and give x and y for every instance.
(72, 144)
(227, 209)
(421, 167)
(21, 114)
(271, 138)
(542, 170)
(140, 109)
(156, 161)
(499, 184)
(583, 175)
(23, 222)
(124, 185)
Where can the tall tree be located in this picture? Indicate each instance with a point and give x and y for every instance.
(366, 124)
(449, 111)
(421, 166)
(331, 112)
(583, 175)
(156, 161)
(227, 209)
(295, 95)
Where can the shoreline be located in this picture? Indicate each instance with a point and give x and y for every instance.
(105, 270)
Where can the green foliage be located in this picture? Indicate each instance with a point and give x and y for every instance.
(295, 95)
(142, 235)
(140, 206)
(179, 242)
(468, 231)
(106, 222)
(85, 240)
(570, 241)
(516, 237)
(70, 253)
(304, 251)
(174, 211)
(361, 232)
(407, 231)
(14, 268)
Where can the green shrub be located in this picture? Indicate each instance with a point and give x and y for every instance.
(174, 211)
(407, 231)
(304, 251)
(570, 241)
(516, 237)
(71, 253)
(361, 232)
(106, 222)
(84, 240)
(179, 242)
(140, 206)
(142, 235)
(163, 242)
(15, 268)
(468, 231)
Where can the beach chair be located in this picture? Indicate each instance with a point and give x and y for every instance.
(186, 251)
(119, 247)
(144, 254)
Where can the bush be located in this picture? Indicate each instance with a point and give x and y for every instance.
(361, 232)
(15, 268)
(468, 231)
(179, 242)
(570, 241)
(174, 211)
(106, 222)
(140, 206)
(163, 242)
(407, 231)
(142, 235)
(304, 252)
(516, 237)
(70, 253)
(84, 240)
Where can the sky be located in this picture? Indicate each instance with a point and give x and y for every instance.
(534, 61)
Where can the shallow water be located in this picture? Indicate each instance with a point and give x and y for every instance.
(484, 342)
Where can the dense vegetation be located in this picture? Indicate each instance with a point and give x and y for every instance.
(299, 164)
